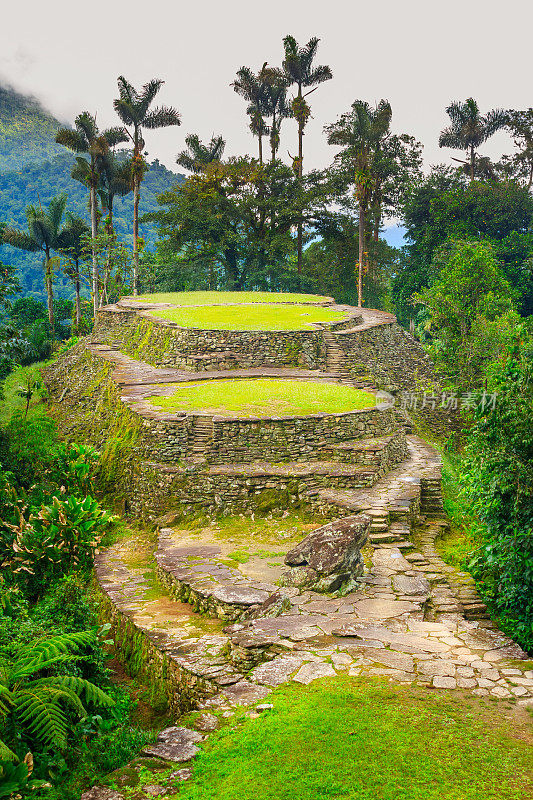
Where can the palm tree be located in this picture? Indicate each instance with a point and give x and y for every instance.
(469, 129)
(251, 87)
(133, 108)
(299, 69)
(86, 138)
(361, 132)
(275, 84)
(199, 155)
(116, 179)
(71, 244)
(43, 235)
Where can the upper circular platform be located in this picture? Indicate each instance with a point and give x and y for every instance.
(240, 311)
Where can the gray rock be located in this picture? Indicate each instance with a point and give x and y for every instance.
(310, 672)
(404, 584)
(100, 793)
(277, 604)
(181, 774)
(240, 595)
(175, 744)
(206, 723)
(330, 557)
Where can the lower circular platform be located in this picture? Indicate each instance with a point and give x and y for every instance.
(261, 397)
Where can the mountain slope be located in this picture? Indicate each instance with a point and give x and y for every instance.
(27, 131)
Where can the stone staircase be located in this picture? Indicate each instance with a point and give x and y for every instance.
(202, 435)
(335, 360)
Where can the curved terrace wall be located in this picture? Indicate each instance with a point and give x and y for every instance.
(163, 343)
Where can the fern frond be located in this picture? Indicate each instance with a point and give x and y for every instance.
(47, 651)
(6, 700)
(25, 669)
(5, 753)
(79, 686)
(44, 718)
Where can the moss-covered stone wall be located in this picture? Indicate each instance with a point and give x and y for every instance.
(164, 344)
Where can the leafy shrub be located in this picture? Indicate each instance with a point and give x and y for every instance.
(15, 778)
(74, 467)
(28, 446)
(59, 537)
(497, 478)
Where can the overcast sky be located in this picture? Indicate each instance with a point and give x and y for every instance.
(419, 54)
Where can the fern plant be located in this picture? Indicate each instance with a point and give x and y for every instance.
(38, 703)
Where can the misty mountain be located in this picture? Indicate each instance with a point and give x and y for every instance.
(27, 131)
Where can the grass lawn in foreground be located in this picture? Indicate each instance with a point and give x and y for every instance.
(351, 739)
(264, 397)
(212, 298)
(255, 317)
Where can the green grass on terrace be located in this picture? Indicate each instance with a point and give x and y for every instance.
(362, 739)
(256, 317)
(212, 298)
(264, 397)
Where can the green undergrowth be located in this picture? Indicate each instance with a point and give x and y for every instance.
(263, 396)
(12, 402)
(354, 739)
(254, 317)
(211, 298)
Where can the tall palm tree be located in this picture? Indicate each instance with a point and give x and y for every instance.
(469, 129)
(361, 132)
(86, 138)
(300, 70)
(251, 87)
(133, 108)
(115, 179)
(275, 84)
(199, 155)
(44, 236)
(71, 244)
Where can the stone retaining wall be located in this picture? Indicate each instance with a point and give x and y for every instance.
(143, 652)
(164, 344)
(293, 438)
(394, 358)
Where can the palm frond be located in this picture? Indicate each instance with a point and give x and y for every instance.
(72, 139)
(126, 90)
(147, 95)
(114, 136)
(162, 117)
(125, 111)
(86, 124)
(19, 239)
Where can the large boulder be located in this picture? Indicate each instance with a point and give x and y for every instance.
(329, 557)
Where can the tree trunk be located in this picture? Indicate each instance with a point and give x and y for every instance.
(136, 194)
(94, 233)
(273, 137)
(78, 300)
(300, 175)
(361, 255)
(472, 163)
(49, 293)
(261, 149)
